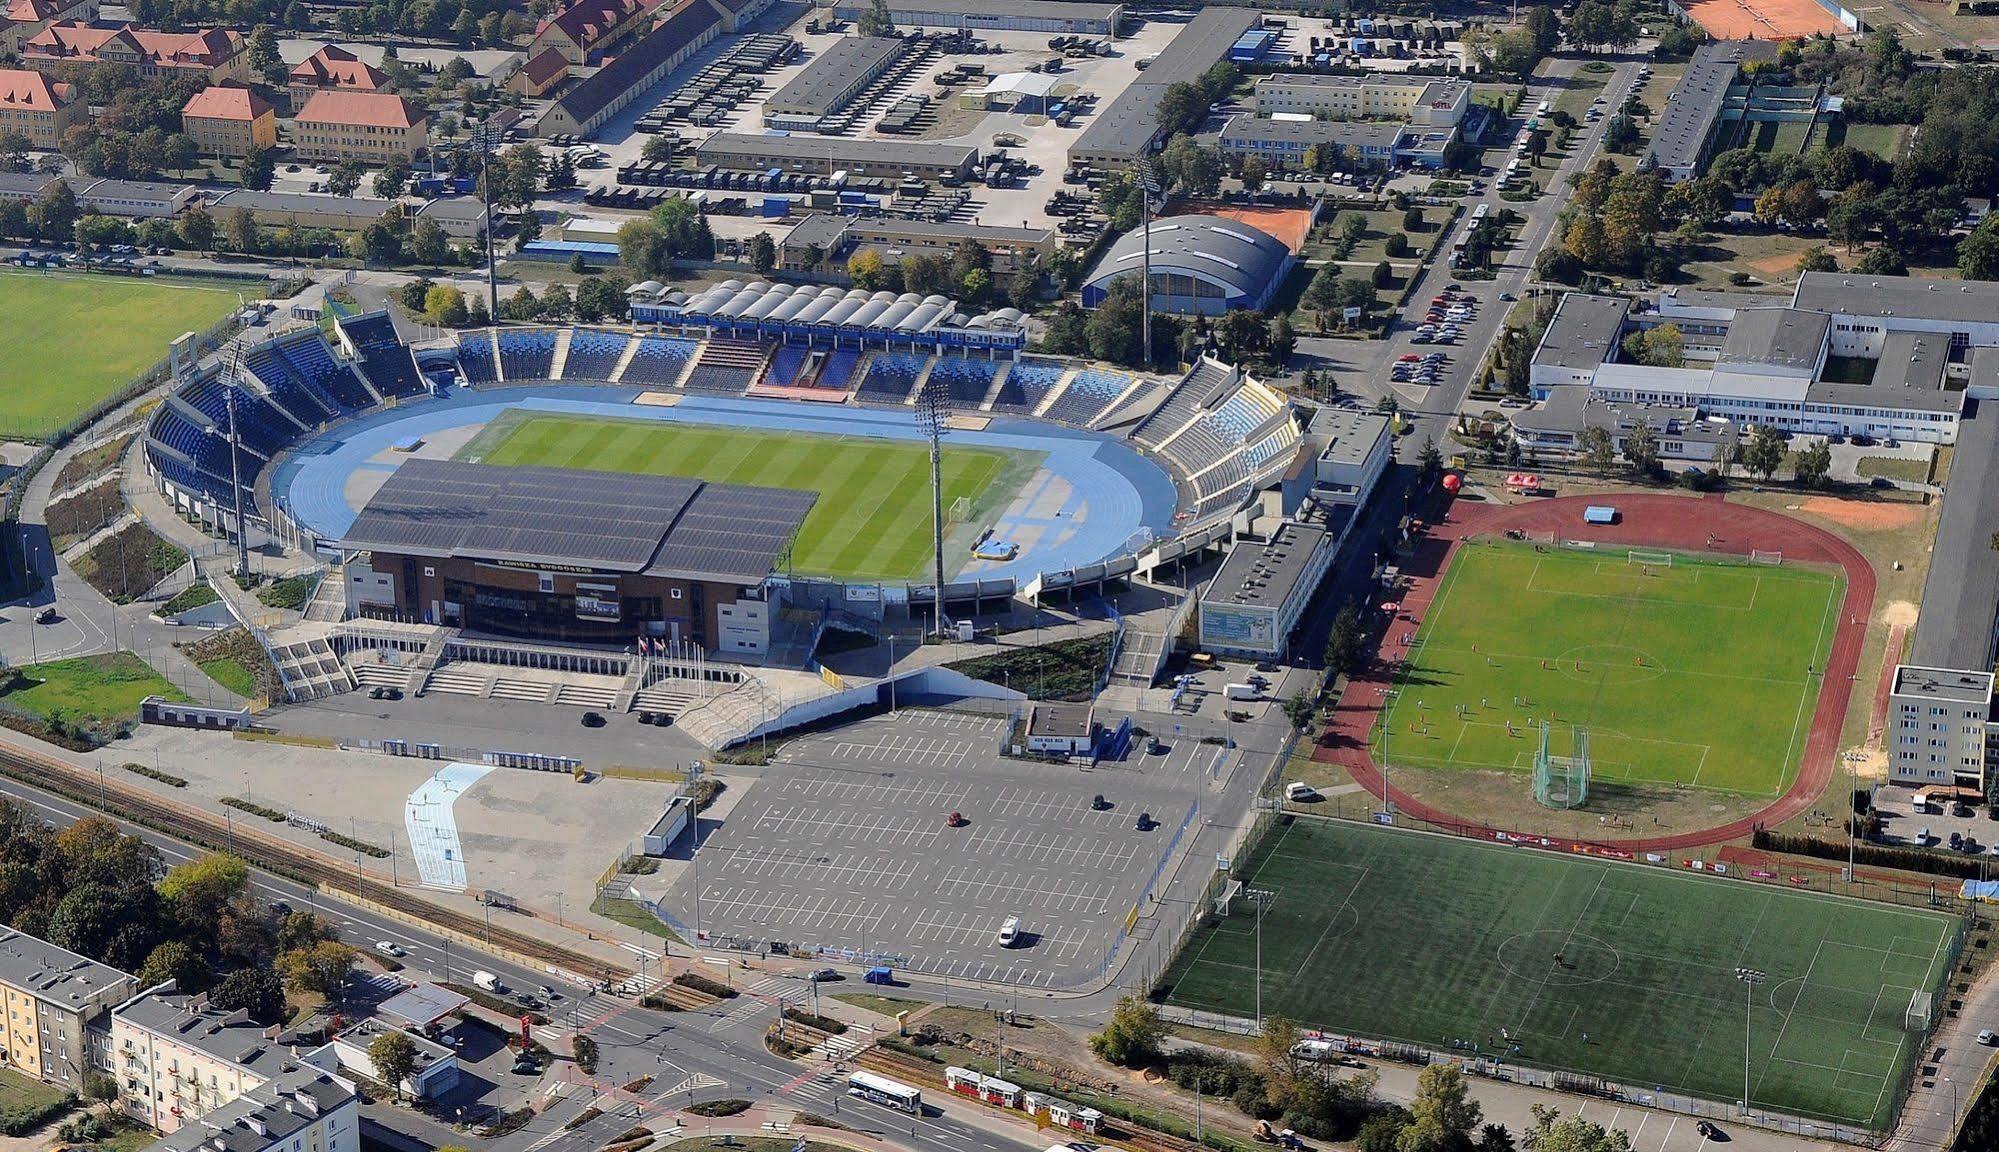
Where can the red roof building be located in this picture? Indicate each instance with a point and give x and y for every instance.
(230, 121)
(373, 127)
(332, 69)
(586, 27)
(217, 53)
(36, 107)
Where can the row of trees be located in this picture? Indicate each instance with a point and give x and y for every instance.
(96, 891)
(1763, 454)
(1272, 1083)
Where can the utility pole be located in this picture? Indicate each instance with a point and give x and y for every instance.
(1148, 187)
(1750, 978)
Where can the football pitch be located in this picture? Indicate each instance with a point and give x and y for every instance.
(1682, 671)
(72, 339)
(872, 518)
(1617, 970)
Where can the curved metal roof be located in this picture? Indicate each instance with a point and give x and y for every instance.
(1241, 259)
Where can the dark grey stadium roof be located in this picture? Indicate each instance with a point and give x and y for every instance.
(610, 521)
(1237, 256)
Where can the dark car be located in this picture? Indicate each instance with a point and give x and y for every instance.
(1098, 803)
(593, 719)
(1144, 822)
(46, 616)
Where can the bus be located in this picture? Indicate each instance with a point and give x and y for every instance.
(1479, 213)
(1541, 109)
(882, 1090)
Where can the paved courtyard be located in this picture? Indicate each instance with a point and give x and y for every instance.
(842, 845)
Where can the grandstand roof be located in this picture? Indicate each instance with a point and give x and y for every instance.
(1243, 260)
(664, 526)
(905, 314)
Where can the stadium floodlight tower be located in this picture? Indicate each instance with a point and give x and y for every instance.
(933, 411)
(1148, 187)
(1750, 978)
(233, 378)
(485, 141)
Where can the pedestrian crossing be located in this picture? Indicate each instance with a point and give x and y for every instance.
(758, 997)
(837, 1048)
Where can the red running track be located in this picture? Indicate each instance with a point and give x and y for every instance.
(1683, 523)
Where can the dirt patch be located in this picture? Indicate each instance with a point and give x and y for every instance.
(1774, 266)
(1899, 614)
(1863, 516)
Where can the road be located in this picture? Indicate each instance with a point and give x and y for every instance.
(693, 1056)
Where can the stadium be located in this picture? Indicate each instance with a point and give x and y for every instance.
(681, 485)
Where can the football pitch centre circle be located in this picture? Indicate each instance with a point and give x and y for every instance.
(1609, 664)
(1558, 959)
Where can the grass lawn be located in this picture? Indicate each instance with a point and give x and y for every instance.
(1770, 257)
(632, 915)
(1694, 673)
(1618, 970)
(231, 675)
(88, 688)
(73, 339)
(1895, 468)
(886, 1005)
(872, 518)
(1884, 140)
(18, 1091)
(1579, 91)
(1778, 137)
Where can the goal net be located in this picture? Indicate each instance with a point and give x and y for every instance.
(1650, 559)
(1759, 556)
(1562, 781)
(961, 509)
(1225, 899)
(1919, 1011)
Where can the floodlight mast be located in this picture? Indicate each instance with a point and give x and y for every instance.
(935, 410)
(233, 371)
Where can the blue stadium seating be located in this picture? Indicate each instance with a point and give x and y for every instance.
(890, 377)
(475, 358)
(1027, 383)
(315, 364)
(290, 390)
(839, 370)
(660, 360)
(785, 364)
(1085, 398)
(261, 428)
(725, 367)
(594, 355)
(527, 354)
(384, 359)
(965, 381)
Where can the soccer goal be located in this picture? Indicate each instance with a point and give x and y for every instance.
(1920, 1006)
(1225, 899)
(1759, 556)
(1562, 781)
(961, 509)
(1650, 559)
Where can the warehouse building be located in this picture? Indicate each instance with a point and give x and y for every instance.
(973, 15)
(1126, 130)
(689, 27)
(825, 155)
(1423, 100)
(832, 81)
(1200, 265)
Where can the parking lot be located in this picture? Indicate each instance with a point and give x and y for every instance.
(845, 845)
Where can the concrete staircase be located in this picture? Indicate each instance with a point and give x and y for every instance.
(458, 680)
(426, 662)
(310, 670)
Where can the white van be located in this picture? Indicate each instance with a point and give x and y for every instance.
(489, 982)
(1009, 932)
(1242, 692)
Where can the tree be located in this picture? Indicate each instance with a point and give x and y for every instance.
(1494, 1138)
(1556, 1131)
(1190, 167)
(1662, 346)
(600, 296)
(1133, 1034)
(200, 889)
(1181, 109)
(1242, 331)
(658, 149)
(243, 234)
(320, 967)
(1817, 259)
(1253, 173)
(177, 962)
(302, 929)
(555, 304)
(864, 268)
(642, 247)
(1384, 274)
(1595, 448)
(445, 305)
(1881, 262)
(116, 924)
(1282, 339)
(345, 177)
(1978, 252)
(1811, 464)
(976, 286)
(1346, 639)
(394, 1058)
(876, 20)
(1764, 453)
(1641, 450)
(1430, 460)
(393, 180)
(585, 1050)
(427, 243)
(763, 253)
(258, 169)
(197, 230)
(1412, 220)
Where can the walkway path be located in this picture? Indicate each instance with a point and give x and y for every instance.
(1707, 524)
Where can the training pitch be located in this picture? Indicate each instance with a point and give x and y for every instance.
(1617, 970)
(1683, 671)
(872, 518)
(71, 340)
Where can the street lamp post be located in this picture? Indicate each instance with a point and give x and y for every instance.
(1750, 978)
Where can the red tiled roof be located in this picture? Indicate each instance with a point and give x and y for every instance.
(378, 109)
(227, 102)
(546, 65)
(25, 88)
(586, 21)
(31, 11)
(209, 46)
(336, 67)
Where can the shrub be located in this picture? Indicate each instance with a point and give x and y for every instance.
(700, 983)
(166, 778)
(728, 1107)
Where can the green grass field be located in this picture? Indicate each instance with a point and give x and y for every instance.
(872, 518)
(1690, 674)
(73, 339)
(88, 688)
(1617, 970)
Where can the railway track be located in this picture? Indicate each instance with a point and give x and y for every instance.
(272, 854)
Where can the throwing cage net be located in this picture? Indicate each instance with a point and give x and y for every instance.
(1562, 781)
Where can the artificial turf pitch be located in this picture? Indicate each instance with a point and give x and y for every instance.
(872, 520)
(1618, 970)
(1700, 672)
(68, 340)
